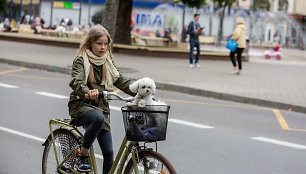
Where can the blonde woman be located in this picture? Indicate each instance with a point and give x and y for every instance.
(238, 36)
(93, 70)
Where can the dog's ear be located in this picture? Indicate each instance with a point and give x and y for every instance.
(153, 86)
(134, 86)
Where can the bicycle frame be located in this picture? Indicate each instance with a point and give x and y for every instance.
(125, 149)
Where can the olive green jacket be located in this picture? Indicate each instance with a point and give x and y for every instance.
(78, 105)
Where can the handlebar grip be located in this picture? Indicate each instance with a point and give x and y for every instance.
(101, 94)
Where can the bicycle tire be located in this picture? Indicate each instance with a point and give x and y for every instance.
(64, 141)
(150, 159)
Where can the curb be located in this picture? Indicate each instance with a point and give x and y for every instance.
(234, 98)
(36, 66)
(176, 88)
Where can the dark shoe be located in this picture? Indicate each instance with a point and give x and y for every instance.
(82, 165)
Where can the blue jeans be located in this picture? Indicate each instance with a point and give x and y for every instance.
(192, 45)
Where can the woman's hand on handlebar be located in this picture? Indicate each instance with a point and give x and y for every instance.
(92, 94)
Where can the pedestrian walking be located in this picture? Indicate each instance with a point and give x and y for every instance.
(238, 35)
(194, 30)
(93, 71)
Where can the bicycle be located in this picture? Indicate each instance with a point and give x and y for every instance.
(65, 141)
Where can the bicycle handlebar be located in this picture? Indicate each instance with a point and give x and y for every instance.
(106, 95)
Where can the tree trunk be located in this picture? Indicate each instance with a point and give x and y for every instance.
(109, 19)
(221, 23)
(220, 32)
(183, 23)
(251, 26)
(211, 9)
(210, 24)
(123, 26)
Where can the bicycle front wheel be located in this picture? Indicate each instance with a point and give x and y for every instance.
(150, 162)
(65, 141)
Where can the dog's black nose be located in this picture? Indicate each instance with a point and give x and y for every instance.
(147, 90)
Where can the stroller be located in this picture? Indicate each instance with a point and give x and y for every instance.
(274, 52)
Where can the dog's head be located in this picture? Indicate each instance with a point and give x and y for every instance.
(143, 87)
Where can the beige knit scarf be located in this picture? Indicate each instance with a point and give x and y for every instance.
(110, 73)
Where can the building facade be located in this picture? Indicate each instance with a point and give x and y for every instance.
(157, 15)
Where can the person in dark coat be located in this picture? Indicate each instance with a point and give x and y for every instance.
(194, 30)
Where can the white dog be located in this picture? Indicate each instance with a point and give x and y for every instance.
(154, 126)
(145, 89)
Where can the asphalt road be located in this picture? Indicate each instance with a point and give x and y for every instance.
(204, 135)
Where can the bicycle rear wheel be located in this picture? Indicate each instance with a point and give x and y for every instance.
(151, 162)
(65, 141)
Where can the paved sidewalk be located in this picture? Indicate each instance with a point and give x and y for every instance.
(271, 83)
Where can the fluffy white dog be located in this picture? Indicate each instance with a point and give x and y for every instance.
(145, 89)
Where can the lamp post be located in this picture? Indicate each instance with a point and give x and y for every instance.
(89, 9)
(51, 15)
(21, 12)
(80, 12)
(183, 23)
(11, 9)
(30, 9)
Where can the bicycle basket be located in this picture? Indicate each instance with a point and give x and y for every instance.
(147, 123)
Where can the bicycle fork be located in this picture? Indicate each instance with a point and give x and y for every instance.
(123, 153)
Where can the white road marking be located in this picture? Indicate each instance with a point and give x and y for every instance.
(187, 123)
(7, 85)
(278, 142)
(22, 134)
(99, 156)
(32, 137)
(115, 108)
(52, 95)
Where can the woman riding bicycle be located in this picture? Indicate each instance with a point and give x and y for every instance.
(93, 70)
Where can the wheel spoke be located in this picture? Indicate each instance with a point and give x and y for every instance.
(65, 141)
(151, 163)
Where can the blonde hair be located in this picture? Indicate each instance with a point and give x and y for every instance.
(239, 20)
(94, 34)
